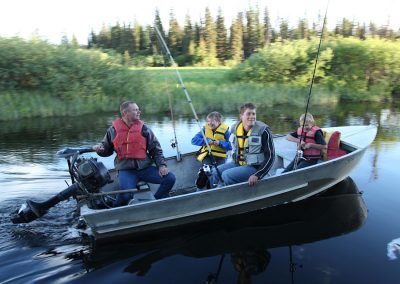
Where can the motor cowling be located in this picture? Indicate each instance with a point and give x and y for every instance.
(93, 174)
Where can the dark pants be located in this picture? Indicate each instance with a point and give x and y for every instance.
(128, 179)
(302, 163)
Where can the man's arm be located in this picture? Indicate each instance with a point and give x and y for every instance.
(106, 147)
(269, 154)
(154, 147)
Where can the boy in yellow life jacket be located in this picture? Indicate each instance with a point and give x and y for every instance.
(253, 151)
(217, 134)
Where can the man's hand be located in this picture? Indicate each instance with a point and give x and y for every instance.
(163, 170)
(253, 180)
(99, 148)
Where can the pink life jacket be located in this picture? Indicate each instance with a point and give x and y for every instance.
(310, 153)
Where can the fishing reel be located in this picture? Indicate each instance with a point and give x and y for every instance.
(174, 143)
(300, 154)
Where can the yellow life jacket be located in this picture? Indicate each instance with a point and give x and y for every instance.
(242, 141)
(218, 134)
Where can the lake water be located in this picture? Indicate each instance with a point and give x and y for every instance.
(342, 236)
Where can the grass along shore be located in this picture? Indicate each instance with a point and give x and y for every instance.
(209, 88)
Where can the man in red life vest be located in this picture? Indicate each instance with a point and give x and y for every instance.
(311, 142)
(137, 149)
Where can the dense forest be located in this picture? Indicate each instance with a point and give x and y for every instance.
(212, 43)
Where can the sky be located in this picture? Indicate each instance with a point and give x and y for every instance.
(53, 19)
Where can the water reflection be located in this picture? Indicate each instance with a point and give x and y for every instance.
(29, 167)
(242, 241)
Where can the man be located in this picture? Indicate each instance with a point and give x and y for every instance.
(137, 149)
(253, 151)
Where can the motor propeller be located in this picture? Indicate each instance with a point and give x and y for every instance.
(31, 210)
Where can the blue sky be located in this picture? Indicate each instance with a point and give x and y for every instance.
(51, 19)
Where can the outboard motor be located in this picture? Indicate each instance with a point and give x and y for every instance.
(92, 174)
(87, 175)
(31, 210)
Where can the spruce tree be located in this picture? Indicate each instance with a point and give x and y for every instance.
(174, 36)
(210, 39)
(221, 38)
(154, 40)
(236, 39)
(267, 27)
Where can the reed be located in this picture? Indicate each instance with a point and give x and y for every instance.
(209, 88)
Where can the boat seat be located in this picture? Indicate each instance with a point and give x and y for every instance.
(142, 186)
(333, 145)
(143, 194)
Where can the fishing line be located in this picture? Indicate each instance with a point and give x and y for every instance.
(299, 154)
(189, 100)
(174, 142)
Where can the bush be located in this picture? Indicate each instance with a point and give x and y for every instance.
(358, 70)
(59, 70)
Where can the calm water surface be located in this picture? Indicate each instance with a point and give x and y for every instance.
(341, 236)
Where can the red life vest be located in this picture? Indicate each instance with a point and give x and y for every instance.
(310, 153)
(129, 142)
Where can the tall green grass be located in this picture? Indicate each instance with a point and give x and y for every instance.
(212, 89)
(209, 89)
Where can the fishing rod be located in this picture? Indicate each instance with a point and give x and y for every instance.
(174, 141)
(189, 100)
(299, 154)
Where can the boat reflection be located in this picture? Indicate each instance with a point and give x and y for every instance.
(245, 239)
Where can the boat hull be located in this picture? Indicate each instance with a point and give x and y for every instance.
(217, 203)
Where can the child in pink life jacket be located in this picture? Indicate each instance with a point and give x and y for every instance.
(310, 141)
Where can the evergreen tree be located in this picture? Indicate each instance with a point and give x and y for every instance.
(155, 46)
(74, 42)
(127, 43)
(104, 38)
(92, 41)
(197, 34)
(361, 31)
(373, 29)
(210, 40)
(267, 27)
(326, 31)
(259, 30)
(346, 28)
(201, 55)
(221, 38)
(251, 35)
(336, 32)
(146, 40)
(64, 41)
(116, 34)
(284, 30)
(302, 31)
(236, 40)
(174, 36)
(188, 35)
(188, 43)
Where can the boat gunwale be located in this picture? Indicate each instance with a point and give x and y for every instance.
(100, 233)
